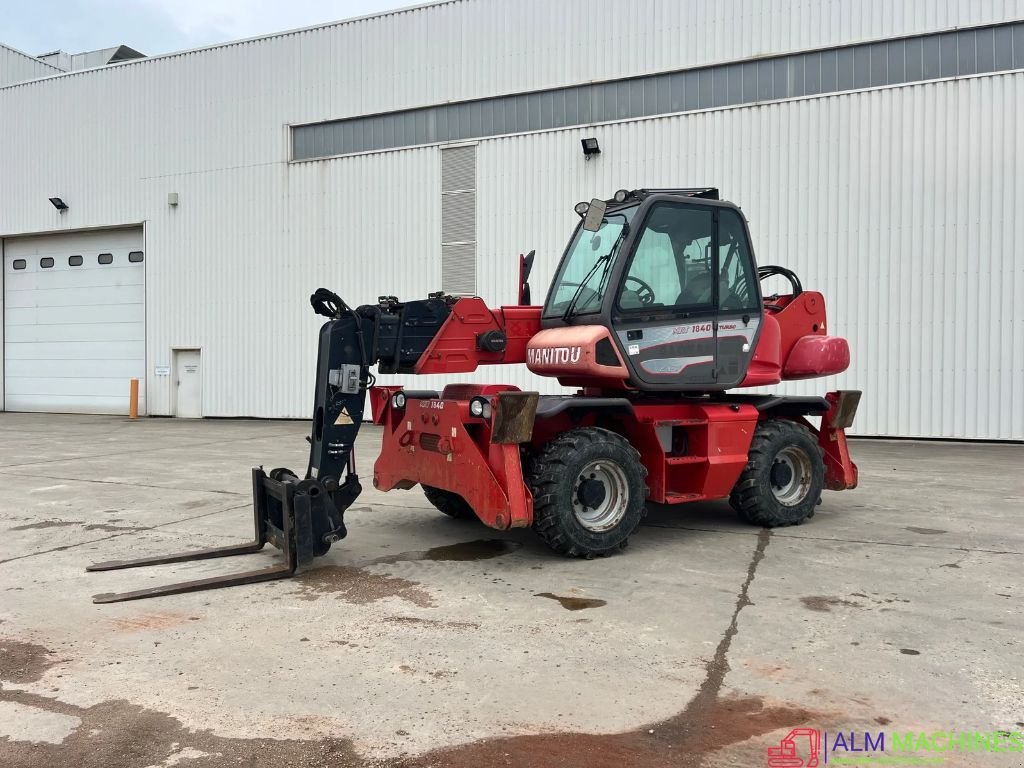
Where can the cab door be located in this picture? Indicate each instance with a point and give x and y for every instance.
(738, 298)
(664, 315)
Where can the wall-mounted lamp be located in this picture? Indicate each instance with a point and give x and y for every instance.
(59, 204)
(590, 147)
(172, 199)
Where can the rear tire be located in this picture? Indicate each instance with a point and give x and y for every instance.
(784, 476)
(449, 503)
(588, 492)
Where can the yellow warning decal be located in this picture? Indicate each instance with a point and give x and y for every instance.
(343, 417)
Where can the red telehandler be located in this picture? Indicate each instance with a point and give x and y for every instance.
(654, 316)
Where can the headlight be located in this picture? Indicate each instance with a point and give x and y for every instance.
(398, 400)
(480, 407)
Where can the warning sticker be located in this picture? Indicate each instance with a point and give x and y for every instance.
(343, 418)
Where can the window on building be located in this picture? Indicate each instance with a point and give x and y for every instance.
(106, 258)
(19, 264)
(46, 262)
(135, 257)
(74, 261)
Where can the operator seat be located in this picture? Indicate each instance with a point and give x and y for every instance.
(697, 291)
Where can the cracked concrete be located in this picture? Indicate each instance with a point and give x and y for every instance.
(425, 641)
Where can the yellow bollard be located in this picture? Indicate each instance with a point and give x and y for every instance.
(133, 400)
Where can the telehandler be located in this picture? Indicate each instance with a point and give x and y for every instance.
(655, 316)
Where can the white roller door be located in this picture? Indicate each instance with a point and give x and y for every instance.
(74, 321)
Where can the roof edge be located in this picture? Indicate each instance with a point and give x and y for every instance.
(33, 58)
(232, 43)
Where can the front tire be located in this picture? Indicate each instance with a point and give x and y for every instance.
(588, 492)
(784, 476)
(449, 503)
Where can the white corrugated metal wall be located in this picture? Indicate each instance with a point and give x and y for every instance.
(900, 203)
(16, 67)
(904, 206)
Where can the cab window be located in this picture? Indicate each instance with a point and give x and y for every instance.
(672, 265)
(737, 288)
(579, 287)
(654, 265)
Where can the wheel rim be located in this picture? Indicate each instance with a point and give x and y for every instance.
(600, 508)
(790, 476)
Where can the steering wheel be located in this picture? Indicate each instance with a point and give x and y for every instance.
(645, 294)
(769, 270)
(586, 296)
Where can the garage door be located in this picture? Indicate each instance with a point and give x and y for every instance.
(74, 321)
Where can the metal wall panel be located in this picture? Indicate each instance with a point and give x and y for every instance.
(902, 205)
(16, 67)
(868, 65)
(459, 50)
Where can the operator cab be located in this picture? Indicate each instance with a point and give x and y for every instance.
(671, 275)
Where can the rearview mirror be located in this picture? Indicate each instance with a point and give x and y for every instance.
(595, 215)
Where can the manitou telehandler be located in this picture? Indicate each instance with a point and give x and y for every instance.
(655, 313)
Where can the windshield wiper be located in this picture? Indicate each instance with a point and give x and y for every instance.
(607, 260)
(583, 284)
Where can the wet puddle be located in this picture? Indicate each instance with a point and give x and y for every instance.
(573, 603)
(925, 531)
(22, 662)
(465, 551)
(45, 524)
(825, 603)
(355, 585)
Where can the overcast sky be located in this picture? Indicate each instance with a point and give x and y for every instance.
(161, 26)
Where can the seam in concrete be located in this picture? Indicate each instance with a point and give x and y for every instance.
(839, 541)
(704, 701)
(121, 533)
(118, 482)
(135, 452)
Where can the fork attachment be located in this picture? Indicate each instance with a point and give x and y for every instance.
(282, 515)
(301, 517)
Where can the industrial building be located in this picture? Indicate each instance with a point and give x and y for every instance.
(166, 217)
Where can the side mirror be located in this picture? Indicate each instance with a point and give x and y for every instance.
(525, 267)
(595, 215)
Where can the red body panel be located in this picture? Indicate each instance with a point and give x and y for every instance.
(570, 355)
(692, 450)
(717, 438)
(814, 356)
(840, 471)
(438, 443)
(454, 348)
(794, 343)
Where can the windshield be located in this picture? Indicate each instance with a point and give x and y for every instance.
(586, 267)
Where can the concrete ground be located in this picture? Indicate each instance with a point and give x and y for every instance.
(425, 641)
